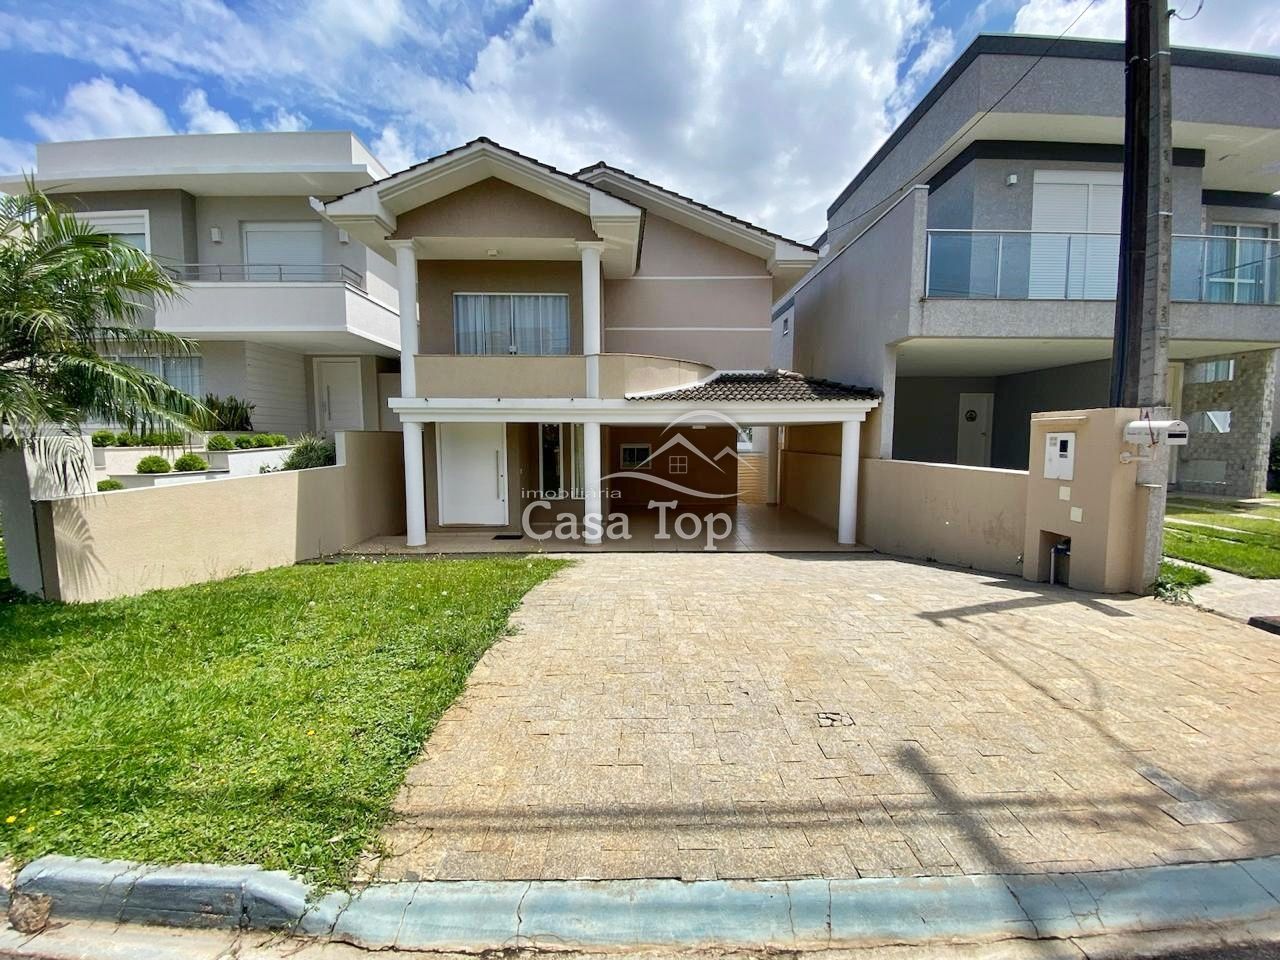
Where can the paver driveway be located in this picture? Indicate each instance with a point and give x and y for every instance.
(780, 716)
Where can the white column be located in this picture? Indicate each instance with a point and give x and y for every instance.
(407, 286)
(846, 526)
(415, 494)
(591, 478)
(590, 252)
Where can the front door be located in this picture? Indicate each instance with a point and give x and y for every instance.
(973, 435)
(471, 467)
(339, 403)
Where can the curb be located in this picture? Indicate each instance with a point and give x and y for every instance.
(482, 915)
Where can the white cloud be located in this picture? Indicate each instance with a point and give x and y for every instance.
(1249, 25)
(99, 108)
(17, 156)
(763, 109)
(286, 121)
(203, 118)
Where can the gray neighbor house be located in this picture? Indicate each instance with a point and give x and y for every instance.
(969, 269)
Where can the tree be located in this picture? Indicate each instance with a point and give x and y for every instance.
(68, 296)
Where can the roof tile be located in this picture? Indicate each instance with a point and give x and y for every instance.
(765, 386)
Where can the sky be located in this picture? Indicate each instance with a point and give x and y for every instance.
(762, 109)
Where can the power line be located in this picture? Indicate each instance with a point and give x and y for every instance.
(1199, 7)
(982, 116)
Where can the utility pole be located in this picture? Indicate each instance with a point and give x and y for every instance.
(1140, 354)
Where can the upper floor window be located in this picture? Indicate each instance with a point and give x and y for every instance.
(530, 324)
(131, 226)
(1237, 267)
(283, 250)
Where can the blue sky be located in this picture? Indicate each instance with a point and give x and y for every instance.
(764, 109)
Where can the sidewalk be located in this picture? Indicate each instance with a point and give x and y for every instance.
(1234, 596)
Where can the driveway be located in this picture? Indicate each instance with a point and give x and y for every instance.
(740, 716)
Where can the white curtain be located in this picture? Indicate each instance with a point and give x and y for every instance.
(529, 324)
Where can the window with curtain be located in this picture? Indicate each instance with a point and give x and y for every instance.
(184, 373)
(1236, 264)
(529, 324)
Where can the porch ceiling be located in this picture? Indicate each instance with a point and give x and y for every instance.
(998, 356)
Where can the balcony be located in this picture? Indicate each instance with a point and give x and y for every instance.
(308, 308)
(1022, 265)
(512, 376)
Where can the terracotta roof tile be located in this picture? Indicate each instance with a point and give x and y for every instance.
(765, 386)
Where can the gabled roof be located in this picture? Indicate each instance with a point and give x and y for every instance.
(763, 386)
(586, 174)
(370, 212)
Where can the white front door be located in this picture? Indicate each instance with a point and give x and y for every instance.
(339, 399)
(471, 466)
(973, 435)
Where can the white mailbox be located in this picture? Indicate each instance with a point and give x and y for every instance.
(1150, 433)
(1060, 456)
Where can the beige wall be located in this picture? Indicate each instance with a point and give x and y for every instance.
(967, 516)
(681, 288)
(493, 208)
(499, 376)
(439, 280)
(128, 542)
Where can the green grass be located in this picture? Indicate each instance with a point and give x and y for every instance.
(1178, 575)
(1247, 554)
(265, 719)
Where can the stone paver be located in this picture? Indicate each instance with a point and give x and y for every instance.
(684, 716)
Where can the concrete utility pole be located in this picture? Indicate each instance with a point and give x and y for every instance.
(1140, 355)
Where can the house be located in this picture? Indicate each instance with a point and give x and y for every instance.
(289, 312)
(580, 344)
(969, 268)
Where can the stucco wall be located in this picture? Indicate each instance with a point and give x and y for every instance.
(493, 208)
(1020, 395)
(967, 516)
(128, 542)
(171, 214)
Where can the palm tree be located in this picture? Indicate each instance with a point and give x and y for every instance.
(68, 295)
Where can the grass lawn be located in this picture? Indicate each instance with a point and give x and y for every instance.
(264, 719)
(1249, 547)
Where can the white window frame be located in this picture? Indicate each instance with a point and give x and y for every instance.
(109, 221)
(1215, 366)
(645, 463)
(511, 322)
(1234, 281)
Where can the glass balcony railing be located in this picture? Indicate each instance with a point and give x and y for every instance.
(1026, 265)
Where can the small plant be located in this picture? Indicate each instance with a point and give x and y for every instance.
(103, 438)
(310, 451)
(244, 442)
(220, 441)
(269, 440)
(227, 413)
(163, 438)
(153, 464)
(1175, 581)
(109, 484)
(190, 462)
(126, 439)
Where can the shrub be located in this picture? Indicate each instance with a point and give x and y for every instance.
(153, 464)
(189, 462)
(109, 484)
(311, 451)
(126, 439)
(163, 438)
(244, 442)
(227, 413)
(220, 441)
(1273, 463)
(103, 438)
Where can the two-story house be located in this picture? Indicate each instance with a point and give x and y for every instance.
(589, 340)
(970, 266)
(290, 313)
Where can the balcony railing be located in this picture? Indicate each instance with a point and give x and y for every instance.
(266, 273)
(1027, 265)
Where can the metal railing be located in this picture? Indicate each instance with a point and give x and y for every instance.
(266, 272)
(1040, 265)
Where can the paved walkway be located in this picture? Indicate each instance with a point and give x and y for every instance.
(1235, 596)
(735, 716)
